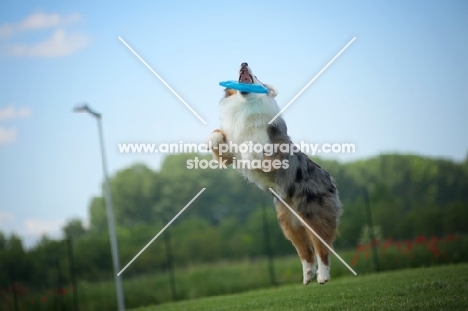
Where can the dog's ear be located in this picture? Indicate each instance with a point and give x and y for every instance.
(229, 92)
(272, 91)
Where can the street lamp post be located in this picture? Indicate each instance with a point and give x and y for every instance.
(109, 209)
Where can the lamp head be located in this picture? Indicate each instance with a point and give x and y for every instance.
(84, 108)
(81, 108)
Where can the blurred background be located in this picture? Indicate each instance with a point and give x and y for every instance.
(398, 93)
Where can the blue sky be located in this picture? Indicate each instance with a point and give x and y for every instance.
(400, 87)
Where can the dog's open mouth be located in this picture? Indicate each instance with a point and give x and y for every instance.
(244, 74)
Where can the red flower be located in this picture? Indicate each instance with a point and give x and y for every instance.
(409, 245)
(421, 239)
(386, 244)
(433, 247)
(361, 248)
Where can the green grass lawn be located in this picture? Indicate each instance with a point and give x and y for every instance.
(435, 288)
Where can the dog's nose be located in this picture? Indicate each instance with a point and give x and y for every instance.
(244, 65)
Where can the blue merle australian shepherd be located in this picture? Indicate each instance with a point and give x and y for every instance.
(301, 183)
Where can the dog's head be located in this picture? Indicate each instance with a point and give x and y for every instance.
(246, 75)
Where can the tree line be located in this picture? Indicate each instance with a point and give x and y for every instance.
(409, 195)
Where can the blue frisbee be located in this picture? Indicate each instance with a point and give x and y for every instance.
(244, 87)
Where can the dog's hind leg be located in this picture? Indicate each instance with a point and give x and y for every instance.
(296, 233)
(327, 233)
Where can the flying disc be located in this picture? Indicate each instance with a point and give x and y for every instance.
(244, 87)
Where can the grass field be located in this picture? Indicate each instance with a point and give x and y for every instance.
(436, 288)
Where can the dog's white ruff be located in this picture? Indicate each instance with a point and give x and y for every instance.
(244, 119)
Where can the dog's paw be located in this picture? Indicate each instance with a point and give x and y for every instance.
(308, 276)
(323, 275)
(308, 271)
(216, 138)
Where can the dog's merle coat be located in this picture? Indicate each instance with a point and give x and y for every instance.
(303, 185)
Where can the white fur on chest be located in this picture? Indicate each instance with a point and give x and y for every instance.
(244, 119)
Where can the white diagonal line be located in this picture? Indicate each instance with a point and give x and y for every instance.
(313, 79)
(162, 80)
(312, 230)
(162, 230)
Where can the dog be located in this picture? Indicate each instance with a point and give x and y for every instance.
(299, 181)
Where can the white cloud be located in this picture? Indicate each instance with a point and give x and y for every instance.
(6, 217)
(59, 44)
(11, 112)
(38, 21)
(39, 227)
(8, 223)
(30, 230)
(7, 136)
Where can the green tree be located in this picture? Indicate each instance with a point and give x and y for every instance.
(15, 265)
(97, 214)
(74, 229)
(134, 191)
